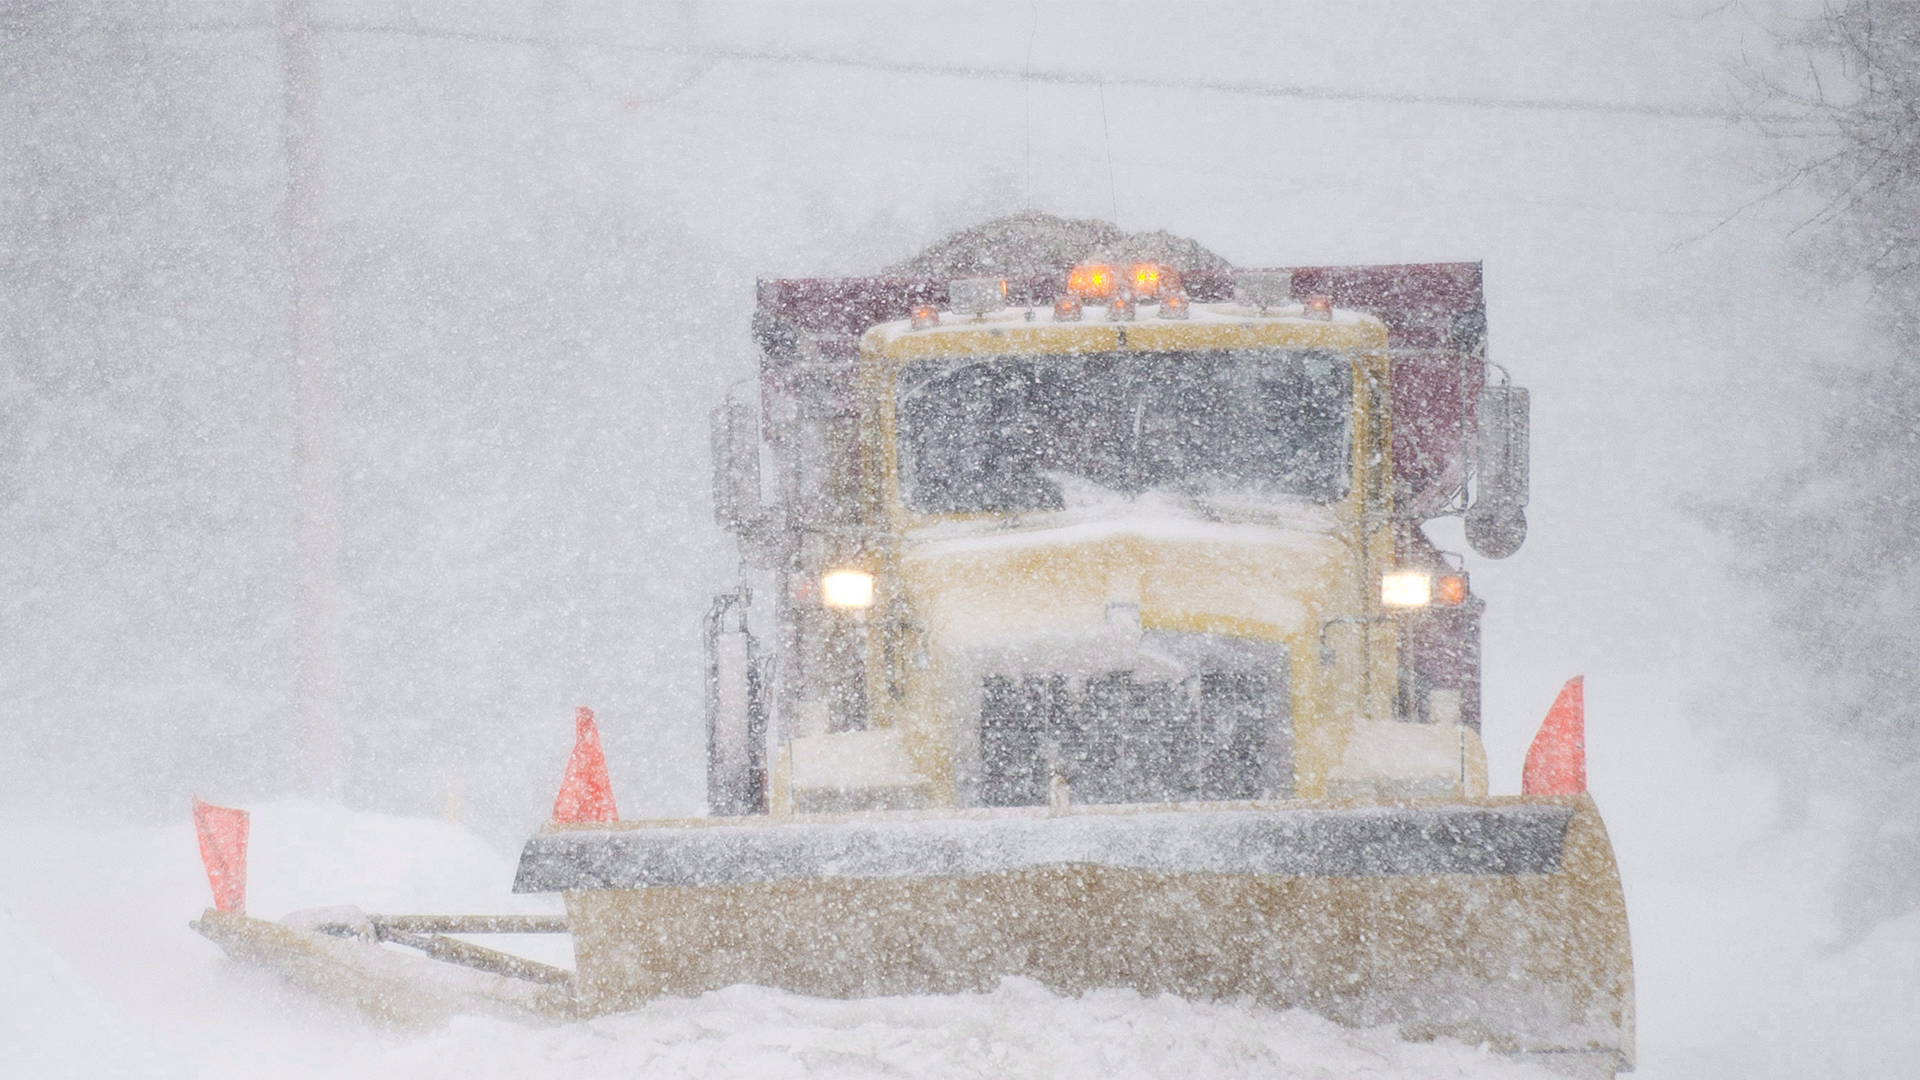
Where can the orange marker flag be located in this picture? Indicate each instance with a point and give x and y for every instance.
(585, 792)
(1557, 760)
(223, 848)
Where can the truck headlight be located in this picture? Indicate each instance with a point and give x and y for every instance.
(1406, 589)
(847, 589)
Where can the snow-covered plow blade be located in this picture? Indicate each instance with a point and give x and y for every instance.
(1494, 920)
(341, 955)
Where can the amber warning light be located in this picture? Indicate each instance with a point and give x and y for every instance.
(1152, 281)
(1091, 282)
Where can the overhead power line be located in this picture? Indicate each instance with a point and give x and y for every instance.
(1248, 89)
(1069, 78)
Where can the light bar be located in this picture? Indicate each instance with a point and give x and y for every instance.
(925, 317)
(1318, 307)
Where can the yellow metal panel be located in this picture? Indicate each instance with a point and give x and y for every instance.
(1063, 339)
(1190, 622)
(892, 345)
(1243, 589)
(1534, 962)
(1157, 335)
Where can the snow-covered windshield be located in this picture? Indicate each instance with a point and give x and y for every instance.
(1014, 433)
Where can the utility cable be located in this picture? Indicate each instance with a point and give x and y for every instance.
(1070, 78)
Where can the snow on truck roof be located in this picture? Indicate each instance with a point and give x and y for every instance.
(1035, 244)
(1038, 321)
(1204, 327)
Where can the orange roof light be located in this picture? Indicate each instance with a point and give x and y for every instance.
(1091, 281)
(925, 316)
(1151, 281)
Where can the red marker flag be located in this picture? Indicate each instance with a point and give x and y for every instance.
(585, 792)
(223, 848)
(1557, 760)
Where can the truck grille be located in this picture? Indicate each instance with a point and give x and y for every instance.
(1214, 736)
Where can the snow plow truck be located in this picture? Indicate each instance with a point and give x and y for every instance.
(1087, 631)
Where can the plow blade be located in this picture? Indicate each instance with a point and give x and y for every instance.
(1496, 921)
(397, 988)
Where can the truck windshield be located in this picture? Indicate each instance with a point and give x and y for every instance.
(1018, 433)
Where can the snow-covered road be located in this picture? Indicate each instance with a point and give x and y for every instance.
(103, 978)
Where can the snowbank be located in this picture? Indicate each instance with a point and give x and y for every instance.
(51, 1021)
(1020, 1030)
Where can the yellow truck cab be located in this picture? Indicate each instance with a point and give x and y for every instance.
(1132, 535)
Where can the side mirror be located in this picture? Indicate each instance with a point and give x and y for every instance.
(735, 436)
(1497, 520)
